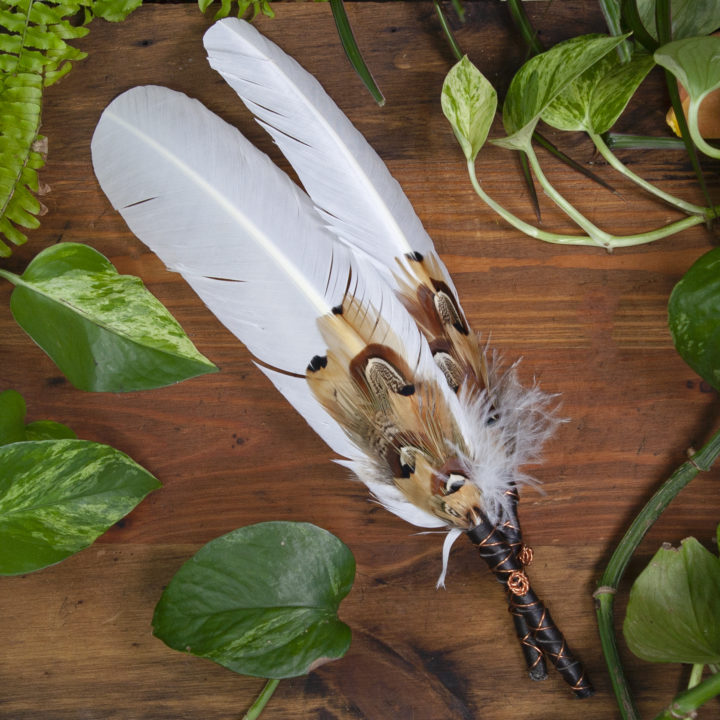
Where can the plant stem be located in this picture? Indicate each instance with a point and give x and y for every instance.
(698, 139)
(519, 224)
(696, 675)
(11, 277)
(560, 155)
(617, 565)
(682, 124)
(613, 241)
(632, 18)
(600, 237)
(686, 703)
(613, 161)
(261, 700)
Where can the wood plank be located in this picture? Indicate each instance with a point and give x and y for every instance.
(229, 451)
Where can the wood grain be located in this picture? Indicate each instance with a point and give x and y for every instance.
(77, 641)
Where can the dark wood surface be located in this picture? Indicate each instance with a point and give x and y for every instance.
(76, 638)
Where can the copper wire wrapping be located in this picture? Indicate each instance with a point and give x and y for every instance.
(518, 583)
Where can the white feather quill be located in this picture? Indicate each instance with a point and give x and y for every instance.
(382, 365)
(248, 241)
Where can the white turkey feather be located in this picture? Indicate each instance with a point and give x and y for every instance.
(248, 241)
(205, 200)
(341, 172)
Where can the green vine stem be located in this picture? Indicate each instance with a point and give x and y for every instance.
(613, 19)
(696, 675)
(612, 160)
(605, 594)
(686, 703)
(261, 700)
(698, 139)
(611, 241)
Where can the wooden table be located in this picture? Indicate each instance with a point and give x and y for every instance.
(76, 638)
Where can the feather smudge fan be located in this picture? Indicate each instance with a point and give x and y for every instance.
(342, 299)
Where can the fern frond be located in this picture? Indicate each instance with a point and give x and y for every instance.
(34, 53)
(245, 8)
(20, 106)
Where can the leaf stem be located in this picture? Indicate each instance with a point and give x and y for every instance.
(261, 700)
(686, 703)
(685, 133)
(519, 224)
(604, 596)
(614, 162)
(698, 139)
(696, 675)
(11, 277)
(612, 241)
(600, 237)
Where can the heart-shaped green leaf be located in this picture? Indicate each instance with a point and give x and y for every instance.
(469, 102)
(673, 614)
(595, 100)
(542, 78)
(261, 600)
(104, 331)
(689, 17)
(58, 496)
(695, 62)
(694, 317)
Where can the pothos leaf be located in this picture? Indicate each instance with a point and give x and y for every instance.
(694, 317)
(689, 17)
(695, 62)
(58, 496)
(261, 600)
(673, 614)
(469, 102)
(542, 78)
(595, 100)
(104, 331)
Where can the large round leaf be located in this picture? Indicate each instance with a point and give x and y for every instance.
(104, 331)
(673, 614)
(694, 317)
(58, 496)
(261, 600)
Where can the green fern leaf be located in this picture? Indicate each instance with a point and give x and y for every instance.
(20, 105)
(35, 53)
(245, 8)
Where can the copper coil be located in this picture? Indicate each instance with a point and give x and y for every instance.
(518, 583)
(526, 555)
